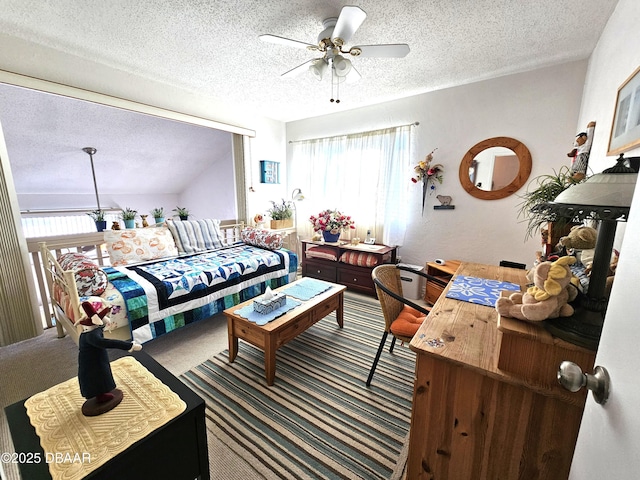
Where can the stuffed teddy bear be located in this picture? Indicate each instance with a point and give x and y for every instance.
(549, 296)
(581, 238)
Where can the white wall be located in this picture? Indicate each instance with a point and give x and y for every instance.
(608, 441)
(268, 144)
(539, 108)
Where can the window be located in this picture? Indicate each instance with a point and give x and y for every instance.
(61, 223)
(364, 175)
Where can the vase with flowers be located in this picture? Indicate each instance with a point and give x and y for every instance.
(428, 174)
(331, 223)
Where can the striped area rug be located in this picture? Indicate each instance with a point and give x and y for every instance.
(318, 420)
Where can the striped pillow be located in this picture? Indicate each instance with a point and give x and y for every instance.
(193, 236)
(361, 259)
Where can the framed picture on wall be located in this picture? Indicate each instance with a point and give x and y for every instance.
(269, 171)
(625, 131)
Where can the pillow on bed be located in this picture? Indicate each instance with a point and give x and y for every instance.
(90, 278)
(361, 259)
(193, 236)
(327, 253)
(137, 245)
(261, 238)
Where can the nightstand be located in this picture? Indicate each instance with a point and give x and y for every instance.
(445, 273)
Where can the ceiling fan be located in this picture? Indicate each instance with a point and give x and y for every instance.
(331, 43)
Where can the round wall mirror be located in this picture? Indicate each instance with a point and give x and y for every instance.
(495, 168)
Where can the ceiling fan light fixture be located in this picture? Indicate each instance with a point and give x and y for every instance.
(318, 67)
(341, 66)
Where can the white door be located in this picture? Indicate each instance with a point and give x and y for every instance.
(609, 439)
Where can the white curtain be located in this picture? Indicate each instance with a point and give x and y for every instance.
(364, 175)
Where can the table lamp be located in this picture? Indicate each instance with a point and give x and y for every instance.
(605, 197)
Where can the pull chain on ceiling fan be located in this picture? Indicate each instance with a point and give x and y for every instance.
(337, 32)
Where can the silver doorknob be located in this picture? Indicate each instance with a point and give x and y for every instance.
(573, 379)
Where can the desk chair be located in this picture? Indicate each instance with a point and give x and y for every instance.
(402, 317)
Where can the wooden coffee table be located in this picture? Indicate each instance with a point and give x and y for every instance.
(276, 333)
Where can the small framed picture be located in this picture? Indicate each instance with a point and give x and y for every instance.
(625, 131)
(269, 171)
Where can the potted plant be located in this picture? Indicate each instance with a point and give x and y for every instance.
(98, 217)
(331, 223)
(129, 216)
(182, 212)
(158, 214)
(541, 190)
(281, 215)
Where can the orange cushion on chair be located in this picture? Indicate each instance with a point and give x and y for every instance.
(408, 322)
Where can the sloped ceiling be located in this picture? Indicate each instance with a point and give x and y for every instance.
(136, 153)
(212, 48)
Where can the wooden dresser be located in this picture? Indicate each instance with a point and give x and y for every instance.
(354, 277)
(486, 401)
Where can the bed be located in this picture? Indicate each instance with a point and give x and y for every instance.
(164, 278)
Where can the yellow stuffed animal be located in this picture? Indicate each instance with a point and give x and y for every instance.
(549, 296)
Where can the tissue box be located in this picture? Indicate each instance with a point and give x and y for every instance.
(263, 306)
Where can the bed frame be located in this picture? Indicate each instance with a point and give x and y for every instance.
(65, 280)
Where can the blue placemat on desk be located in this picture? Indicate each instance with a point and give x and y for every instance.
(479, 290)
(306, 289)
(264, 318)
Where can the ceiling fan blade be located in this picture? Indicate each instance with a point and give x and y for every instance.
(397, 50)
(348, 22)
(294, 72)
(285, 41)
(353, 76)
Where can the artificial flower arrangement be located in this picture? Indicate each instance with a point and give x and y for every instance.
(281, 211)
(428, 174)
(332, 221)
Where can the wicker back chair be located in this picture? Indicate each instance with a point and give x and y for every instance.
(388, 284)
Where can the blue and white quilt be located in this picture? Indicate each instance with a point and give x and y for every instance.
(166, 294)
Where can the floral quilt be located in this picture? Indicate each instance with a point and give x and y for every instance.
(166, 294)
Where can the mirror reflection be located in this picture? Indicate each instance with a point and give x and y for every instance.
(494, 168)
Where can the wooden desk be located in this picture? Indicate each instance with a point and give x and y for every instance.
(176, 450)
(486, 403)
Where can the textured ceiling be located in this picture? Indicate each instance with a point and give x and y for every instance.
(212, 48)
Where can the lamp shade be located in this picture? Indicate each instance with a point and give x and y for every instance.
(341, 66)
(602, 190)
(318, 67)
(297, 195)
